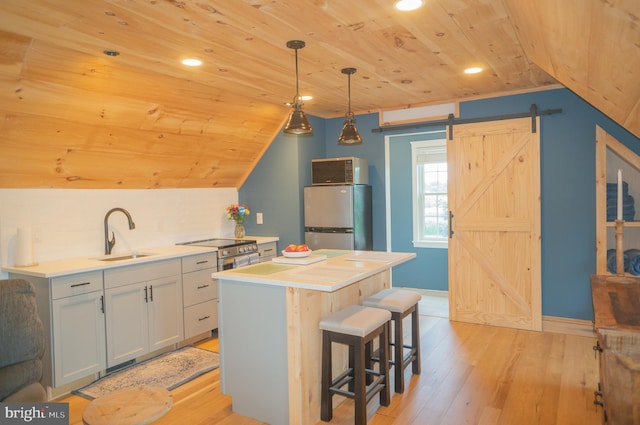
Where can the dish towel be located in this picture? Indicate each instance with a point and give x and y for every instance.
(628, 203)
(611, 261)
(634, 261)
(631, 261)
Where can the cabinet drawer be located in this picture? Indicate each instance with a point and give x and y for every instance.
(127, 275)
(199, 286)
(200, 318)
(76, 284)
(199, 262)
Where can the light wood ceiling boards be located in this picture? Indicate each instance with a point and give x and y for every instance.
(591, 46)
(73, 117)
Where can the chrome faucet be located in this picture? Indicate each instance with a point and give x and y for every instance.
(108, 244)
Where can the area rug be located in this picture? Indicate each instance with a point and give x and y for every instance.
(168, 370)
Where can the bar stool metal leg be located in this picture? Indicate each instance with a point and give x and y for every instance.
(385, 395)
(398, 356)
(326, 402)
(415, 340)
(360, 387)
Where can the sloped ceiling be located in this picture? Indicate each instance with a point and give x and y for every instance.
(591, 47)
(73, 117)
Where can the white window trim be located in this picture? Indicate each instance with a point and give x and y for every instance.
(433, 243)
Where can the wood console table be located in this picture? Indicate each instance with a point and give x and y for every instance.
(616, 304)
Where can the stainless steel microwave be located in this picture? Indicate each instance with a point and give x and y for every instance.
(349, 170)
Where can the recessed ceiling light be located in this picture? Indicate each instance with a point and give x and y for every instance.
(111, 52)
(408, 5)
(473, 70)
(192, 62)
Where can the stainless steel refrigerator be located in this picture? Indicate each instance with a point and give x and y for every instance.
(338, 217)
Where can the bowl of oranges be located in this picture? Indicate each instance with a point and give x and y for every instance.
(296, 251)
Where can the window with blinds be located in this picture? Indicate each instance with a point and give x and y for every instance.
(430, 208)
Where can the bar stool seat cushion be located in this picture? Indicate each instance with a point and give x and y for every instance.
(394, 300)
(355, 320)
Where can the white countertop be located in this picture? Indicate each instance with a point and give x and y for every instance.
(262, 239)
(341, 268)
(85, 264)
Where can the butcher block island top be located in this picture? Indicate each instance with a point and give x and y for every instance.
(270, 342)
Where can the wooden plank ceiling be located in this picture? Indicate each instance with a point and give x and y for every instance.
(73, 117)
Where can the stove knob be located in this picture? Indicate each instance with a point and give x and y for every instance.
(225, 252)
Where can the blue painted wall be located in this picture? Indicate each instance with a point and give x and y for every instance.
(372, 149)
(429, 269)
(567, 186)
(275, 186)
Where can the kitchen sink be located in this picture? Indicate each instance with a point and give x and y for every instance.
(124, 256)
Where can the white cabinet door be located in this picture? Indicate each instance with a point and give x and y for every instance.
(142, 318)
(79, 343)
(165, 312)
(127, 323)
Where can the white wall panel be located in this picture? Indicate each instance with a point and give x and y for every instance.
(69, 223)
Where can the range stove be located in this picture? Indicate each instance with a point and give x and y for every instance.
(232, 253)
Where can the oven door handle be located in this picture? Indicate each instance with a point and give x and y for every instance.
(241, 261)
(225, 264)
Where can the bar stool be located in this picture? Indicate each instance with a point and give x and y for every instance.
(355, 326)
(400, 303)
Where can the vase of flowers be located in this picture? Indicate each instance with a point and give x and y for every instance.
(237, 213)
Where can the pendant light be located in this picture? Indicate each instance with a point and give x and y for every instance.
(349, 134)
(297, 122)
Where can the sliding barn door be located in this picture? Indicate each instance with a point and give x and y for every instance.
(494, 251)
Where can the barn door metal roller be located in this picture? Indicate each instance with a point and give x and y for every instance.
(451, 121)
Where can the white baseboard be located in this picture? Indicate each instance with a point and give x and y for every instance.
(430, 292)
(567, 326)
(553, 324)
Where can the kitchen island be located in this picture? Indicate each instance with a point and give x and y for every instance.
(270, 343)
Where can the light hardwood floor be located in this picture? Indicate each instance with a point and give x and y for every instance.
(471, 374)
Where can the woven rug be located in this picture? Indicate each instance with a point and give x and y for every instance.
(168, 370)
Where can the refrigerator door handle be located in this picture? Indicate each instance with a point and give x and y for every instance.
(328, 230)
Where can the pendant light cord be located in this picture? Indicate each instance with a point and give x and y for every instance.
(297, 92)
(349, 71)
(349, 91)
